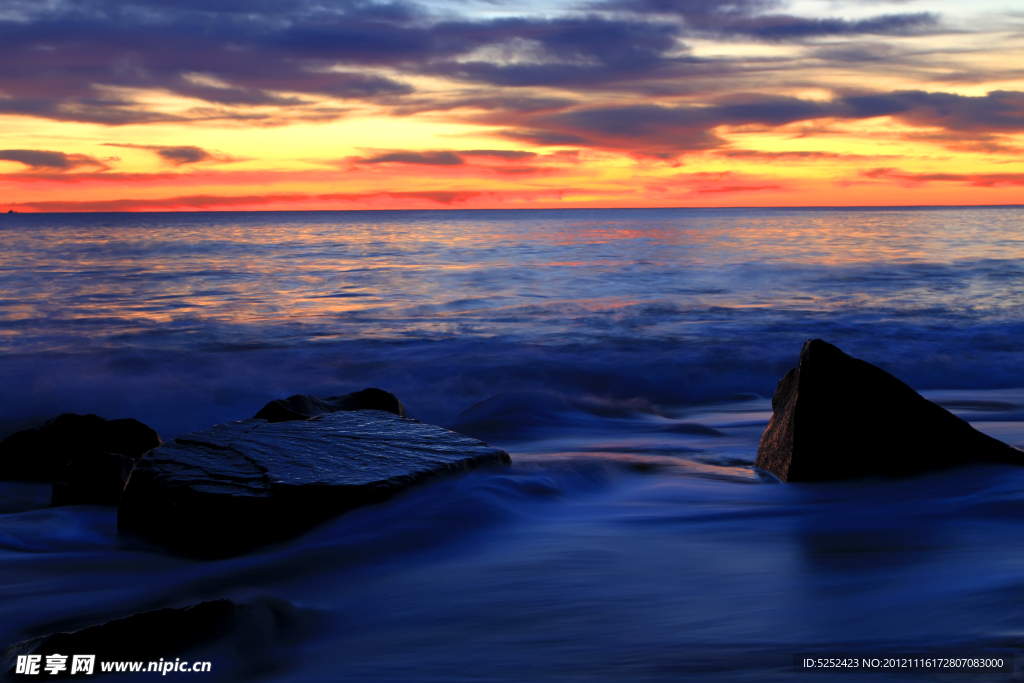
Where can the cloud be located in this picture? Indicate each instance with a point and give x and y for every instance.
(214, 201)
(1000, 111)
(569, 51)
(751, 18)
(506, 154)
(665, 131)
(183, 155)
(177, 155)
(170, 203)
(422, 158)
(440, 197)
(446, 158)
(102, 176)
(812, 156)
(83, 60)
(738, 188)
(979, 143)
(517, 170)
(60, 61)
(616, 75)
(782, 27)
(44, 160)
(974, 179)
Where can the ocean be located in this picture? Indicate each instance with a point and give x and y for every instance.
(624, 358)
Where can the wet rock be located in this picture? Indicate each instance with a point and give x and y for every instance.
(838, 417)
(299, 407)
(140, 637)
(93, 479)
(239, 485)
(255, 632)
(43, 453)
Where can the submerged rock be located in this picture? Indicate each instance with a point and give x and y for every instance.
(43, 453)
(299, 407)
(526, 415)
(838, 417)
(239, 485)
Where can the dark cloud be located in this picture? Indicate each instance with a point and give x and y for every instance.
(177, 155)
(752, 19)
(1000, 111)
(45, 160)
(183, 155)
(780, 27)
(574, 51)
(56, 62)
(266, 62)
(445, 158)
(423, 158)
(975, 179)
(693, 8)
(506, 154)
(666, 131)
(59, 62)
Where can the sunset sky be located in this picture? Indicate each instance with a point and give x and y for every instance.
(109, 105)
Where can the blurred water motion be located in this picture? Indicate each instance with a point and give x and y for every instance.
(625, 359)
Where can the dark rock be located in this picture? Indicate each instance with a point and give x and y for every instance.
(93, 479)
(256, 631)
(299, 407)
(43, 453)
(837, 417)
(239, 485)
(140, 637)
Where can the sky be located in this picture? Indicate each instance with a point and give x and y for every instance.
(176, 105)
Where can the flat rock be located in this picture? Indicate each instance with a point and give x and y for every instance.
(838, 417)
(43, 453)
(239, 485)
(300, 407)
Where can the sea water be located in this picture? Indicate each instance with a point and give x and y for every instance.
(625, 359)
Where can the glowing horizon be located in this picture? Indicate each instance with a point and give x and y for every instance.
(158, 106)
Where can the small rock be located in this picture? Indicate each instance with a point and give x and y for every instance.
(837, 417)
(43, 453)
(299, 407)
(239, 485)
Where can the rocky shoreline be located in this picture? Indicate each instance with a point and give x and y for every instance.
(303, 460)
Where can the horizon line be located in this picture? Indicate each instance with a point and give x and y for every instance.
(845, 207)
